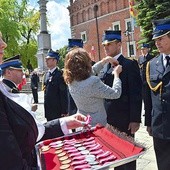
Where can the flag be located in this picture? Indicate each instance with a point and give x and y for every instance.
(132, 12)
(131, 8)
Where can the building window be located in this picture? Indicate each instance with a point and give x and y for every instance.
(131, 49)
(116, 25)
(84, 36)
(129, 25)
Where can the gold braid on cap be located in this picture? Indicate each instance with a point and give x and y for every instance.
(159, 85)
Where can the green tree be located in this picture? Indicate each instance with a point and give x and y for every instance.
(147, 12)
(8, 26)
(19, 26)
(62, 52)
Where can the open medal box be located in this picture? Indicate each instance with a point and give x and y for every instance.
(97, 148)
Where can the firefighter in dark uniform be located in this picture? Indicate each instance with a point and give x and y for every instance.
(157, 108)
(10, 67)
(55, 89)
(142, 61)
(73, 43)
(123, 113)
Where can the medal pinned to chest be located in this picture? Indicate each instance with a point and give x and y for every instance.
(50, 76)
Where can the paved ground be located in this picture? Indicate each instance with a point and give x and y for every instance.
(145, 162)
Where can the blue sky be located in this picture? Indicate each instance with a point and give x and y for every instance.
(59, 22)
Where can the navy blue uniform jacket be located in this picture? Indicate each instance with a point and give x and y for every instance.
(126, 109)
(18, 135)
(157, 115)
(55, 95)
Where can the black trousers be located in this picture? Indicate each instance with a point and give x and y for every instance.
(35, 95)
(162, 151)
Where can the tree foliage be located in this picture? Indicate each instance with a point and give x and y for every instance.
(147, 12)
(62, 52)
(19, 27)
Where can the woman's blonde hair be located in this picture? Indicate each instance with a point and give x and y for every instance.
(77, 65)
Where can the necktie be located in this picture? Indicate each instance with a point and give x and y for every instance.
(50, 74)
(106, 73)
(168, 60)
(108, 66)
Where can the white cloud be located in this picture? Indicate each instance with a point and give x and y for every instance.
(58, 21)
(59, 24)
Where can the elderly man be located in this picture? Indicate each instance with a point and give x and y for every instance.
(157, 108)
(19, 129)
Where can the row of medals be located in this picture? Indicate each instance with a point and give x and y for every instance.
(80, 154)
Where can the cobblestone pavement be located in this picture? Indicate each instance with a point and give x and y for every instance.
(145, 162)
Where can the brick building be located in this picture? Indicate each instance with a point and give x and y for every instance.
(89, 18)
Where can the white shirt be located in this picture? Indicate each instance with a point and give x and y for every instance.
(117, 56)
(25, 101)
(52, 70)
(164, 59)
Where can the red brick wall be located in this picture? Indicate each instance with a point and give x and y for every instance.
(82, 19)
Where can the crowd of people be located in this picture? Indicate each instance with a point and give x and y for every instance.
(111, 91)
(19, 128)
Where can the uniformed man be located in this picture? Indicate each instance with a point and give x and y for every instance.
(73, 43)
(142, 61)
(9, 67)
(123, 113)
(12, 73)
(55, 91)
(157, 108)
(19, 128)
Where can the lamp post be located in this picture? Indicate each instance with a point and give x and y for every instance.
(127, 34)
(97, 29)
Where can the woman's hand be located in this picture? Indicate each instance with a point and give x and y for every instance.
(117, 70)
(75, 121)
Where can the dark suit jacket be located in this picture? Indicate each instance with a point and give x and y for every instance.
(157, 112)
(55, 95)
(126, 109)
(34, 81)
(18, 135)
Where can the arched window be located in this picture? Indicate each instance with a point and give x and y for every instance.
(72, 20)
(112, 5)
(103, 8)
(90, 15)
(83, 16)
(77, 18)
